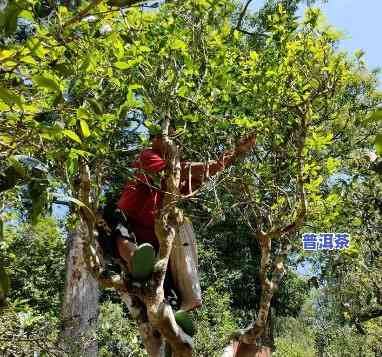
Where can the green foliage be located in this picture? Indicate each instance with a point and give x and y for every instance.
(294, 338)
(297, 337)
(291, 296)
(31, 174)
(117, 334)
(336, 340)
(214, 323)
(34, 258)
(24, 330)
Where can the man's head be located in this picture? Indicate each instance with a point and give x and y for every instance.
(156, 141)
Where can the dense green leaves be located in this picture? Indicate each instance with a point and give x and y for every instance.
(47, 83)
(10, 98)
(378, 144)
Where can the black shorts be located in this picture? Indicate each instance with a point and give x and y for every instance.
(118, 227)
(122, 230)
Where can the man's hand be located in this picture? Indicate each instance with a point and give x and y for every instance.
(246, 144)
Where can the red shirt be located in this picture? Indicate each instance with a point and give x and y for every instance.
(140, 200)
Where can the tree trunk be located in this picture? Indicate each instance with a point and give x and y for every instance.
(80, 304)
(240, 349)
(152, 340)
(264, 349)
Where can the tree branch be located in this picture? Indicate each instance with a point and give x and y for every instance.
(242, 14)
(290, 228)
(85, 12)
(369, 314)
(160, 314)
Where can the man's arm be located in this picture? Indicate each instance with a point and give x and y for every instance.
(193, 174)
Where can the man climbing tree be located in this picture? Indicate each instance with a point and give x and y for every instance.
(134, 221)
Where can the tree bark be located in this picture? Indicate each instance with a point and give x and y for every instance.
(240, 349)
(80, 304)
(152, 339)
(264, 348)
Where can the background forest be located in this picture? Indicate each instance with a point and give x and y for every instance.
(82, 83)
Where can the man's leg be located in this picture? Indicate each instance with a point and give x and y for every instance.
(126, 250)
(140, 259)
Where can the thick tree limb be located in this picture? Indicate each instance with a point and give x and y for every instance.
(269, 286)
(160, 314)
(290, 228)
(85, 12)
(250, 335)
(164, 320)
(371, 313)
(242, 14)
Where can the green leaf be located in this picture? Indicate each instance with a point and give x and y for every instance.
(359, 53)
(96, 106)
(10, 98)
(26, 15)
(375, 116)
(35, 45)
(6, 54)
(244, 122)
(18, 167)
(193, 118)
(378, 144)
(182, 91)
(29, 60)
(178, 44)
(119, 50)
(82, 113)
(254, 56)
(82, 153)
(126, 65)
(62, 69)
(122, 65)
(47, 83)
(72, 135)
(84, 128)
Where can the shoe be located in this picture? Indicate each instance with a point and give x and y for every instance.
(184, 320)
(143, 262)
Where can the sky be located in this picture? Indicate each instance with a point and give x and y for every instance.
(359, 21)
